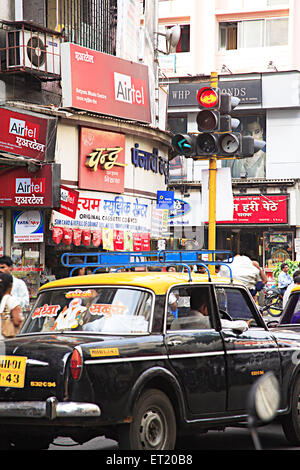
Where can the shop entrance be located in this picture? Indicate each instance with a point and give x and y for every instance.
(243, 241)
(263, 244)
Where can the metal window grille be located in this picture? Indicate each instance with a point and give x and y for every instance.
(90, 23)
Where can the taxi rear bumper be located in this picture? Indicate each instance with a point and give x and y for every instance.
(49, 409)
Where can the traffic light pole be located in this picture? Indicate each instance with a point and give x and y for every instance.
(212, 188)
(217, 139)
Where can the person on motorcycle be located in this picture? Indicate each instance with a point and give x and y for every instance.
(284, 279)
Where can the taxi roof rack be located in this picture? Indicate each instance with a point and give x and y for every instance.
(161, 258)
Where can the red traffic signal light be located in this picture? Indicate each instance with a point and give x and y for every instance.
(208, 97)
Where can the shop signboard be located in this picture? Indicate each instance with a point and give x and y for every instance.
(108, 219)
(27, 134)
(259, 209)
(69, 201)
(96, 211)
(185, 94)
(22, 189)
(186, 209)
(165, 199)
(101, 160)
(102, 83)
(28, 226)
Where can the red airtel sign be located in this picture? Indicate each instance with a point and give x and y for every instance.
(102, 83)
(24, 134)
(24, 190)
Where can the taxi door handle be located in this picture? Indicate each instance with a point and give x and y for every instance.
(174, 342)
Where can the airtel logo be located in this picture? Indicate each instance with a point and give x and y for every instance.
(30, 185)
(129, 90)
(23, 128)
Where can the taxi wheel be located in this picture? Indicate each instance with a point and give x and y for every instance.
(153, 426)
(291, 421)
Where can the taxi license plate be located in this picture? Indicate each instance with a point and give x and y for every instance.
(12, 371)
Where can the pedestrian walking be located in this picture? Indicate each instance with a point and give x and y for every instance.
(10, 309)
(19, 288)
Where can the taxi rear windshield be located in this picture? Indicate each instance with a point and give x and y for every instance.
(108, 310)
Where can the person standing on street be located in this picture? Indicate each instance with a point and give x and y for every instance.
(9, 306)
(296, 282)
(19, 288)
(284, 279)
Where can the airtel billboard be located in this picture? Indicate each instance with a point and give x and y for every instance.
(29, 135)
(102, 83)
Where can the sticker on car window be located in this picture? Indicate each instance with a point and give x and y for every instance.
(46, 311)
(108, 309)
(71, 316)
(79, 293)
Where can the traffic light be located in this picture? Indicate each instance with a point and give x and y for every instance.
(184, 144)
(215, 108)
(216, 129)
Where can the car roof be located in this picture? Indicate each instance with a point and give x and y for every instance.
(159, 282)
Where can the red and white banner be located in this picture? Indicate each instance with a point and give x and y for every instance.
(69, 201)
(105, 84)
(260, 209)
(22, 190)
(23, 134)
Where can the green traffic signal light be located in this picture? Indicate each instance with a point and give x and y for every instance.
(184, 144)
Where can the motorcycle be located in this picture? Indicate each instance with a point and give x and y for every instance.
(273, 301)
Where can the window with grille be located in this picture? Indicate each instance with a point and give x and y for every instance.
(90, 23)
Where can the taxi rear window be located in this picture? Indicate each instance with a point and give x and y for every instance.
(110, 310)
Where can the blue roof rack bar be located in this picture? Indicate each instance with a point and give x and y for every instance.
(129, 259)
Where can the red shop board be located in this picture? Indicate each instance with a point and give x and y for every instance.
(102, 83)
(261, 209)
(23, 134)
(22, 189)
(101, 160)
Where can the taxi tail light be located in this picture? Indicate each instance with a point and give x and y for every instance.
(76, 363)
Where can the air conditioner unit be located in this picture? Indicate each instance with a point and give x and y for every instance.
(33, 50)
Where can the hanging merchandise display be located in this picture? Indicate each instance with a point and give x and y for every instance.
(108, 221)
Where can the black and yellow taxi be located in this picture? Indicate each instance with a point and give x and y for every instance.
(125, 355)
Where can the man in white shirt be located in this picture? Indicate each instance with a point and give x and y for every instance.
(19, 289)
(199, 310)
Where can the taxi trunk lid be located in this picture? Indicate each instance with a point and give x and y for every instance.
(41, 374)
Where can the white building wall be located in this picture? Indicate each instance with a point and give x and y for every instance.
(204, 16)
(283, 151)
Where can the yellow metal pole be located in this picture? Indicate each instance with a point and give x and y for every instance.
(212, 203)
(212, 189)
